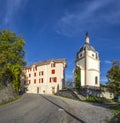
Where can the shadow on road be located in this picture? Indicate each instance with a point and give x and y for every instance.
(105, 105)
(70, 114)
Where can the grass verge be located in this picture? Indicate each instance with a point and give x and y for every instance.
(98, 99)
(116, 114)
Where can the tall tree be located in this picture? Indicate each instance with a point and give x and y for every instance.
(113, 76)
(77, 77)
(11, 58)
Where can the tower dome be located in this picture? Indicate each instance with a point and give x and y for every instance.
(86, 47)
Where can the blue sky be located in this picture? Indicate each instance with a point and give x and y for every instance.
(56, 28)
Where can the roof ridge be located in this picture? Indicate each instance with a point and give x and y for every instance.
(48, 62)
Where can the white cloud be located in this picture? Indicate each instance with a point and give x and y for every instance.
(108, 62)
(92, 15)
(12, 7)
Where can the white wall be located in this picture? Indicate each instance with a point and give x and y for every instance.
(82, 77)
(91, 78)
(92, 68)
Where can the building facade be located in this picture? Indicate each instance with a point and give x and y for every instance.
(87, 59)
(45, 77)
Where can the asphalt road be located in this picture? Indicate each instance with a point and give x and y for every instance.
(52, 109)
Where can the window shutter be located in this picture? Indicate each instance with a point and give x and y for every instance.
(34, 74)
(34, 81)
(50, 79)
(53, 71)
(29, 81)
(55, 79)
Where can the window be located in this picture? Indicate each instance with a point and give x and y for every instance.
(41, 80)
(36, 68)
(96, 80)
(41, 73)
(29, 75)
(53, 79)
(34, 74)
(29, 81)
(50, 79)
(33, 69)
(96, 56)
(52, 71)
(53, 65)
(92, 55)
(34, 81)
(80, 55)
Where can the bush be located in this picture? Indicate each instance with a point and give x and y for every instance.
(95, 99)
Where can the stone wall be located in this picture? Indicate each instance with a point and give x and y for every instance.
(97, 92)
(67, 93)
(6, 94)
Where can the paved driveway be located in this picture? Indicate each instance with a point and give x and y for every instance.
(52, 109)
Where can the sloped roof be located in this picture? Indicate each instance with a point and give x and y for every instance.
(61, 60)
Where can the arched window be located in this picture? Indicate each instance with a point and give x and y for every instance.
(52, 64)
(80, 55)
(96, 80)
(96, 56)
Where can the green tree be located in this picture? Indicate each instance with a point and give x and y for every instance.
(11, 58)
(113, 76)
(77, 78)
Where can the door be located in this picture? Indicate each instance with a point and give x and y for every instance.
(37, 90)
(53, 90)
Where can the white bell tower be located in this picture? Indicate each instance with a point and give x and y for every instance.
(87, 59)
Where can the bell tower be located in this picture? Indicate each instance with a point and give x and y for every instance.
(87, 59)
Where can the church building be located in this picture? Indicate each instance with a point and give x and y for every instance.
(87, 59)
